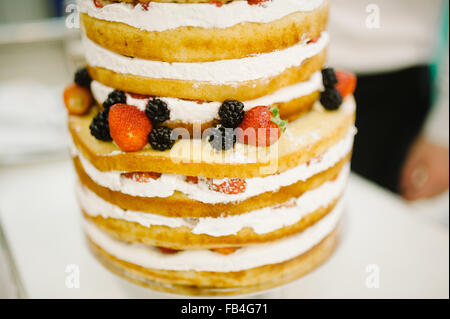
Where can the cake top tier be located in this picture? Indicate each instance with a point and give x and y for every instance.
(166, 15)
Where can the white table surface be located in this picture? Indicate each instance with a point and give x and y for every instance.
(42, 225)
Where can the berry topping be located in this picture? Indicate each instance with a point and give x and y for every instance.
(192, 179)
(77, 99)
(142, 177)
(230, 186)
(115, 97)
(157, 111)
(346, 83)
(221, 138)
(262, 126)
(231, 113)
(100, 127)
(168, 251)
(331, 99)
(225, 250)
(161, 139)
(329, 78)
(129, 127)
(82, 78)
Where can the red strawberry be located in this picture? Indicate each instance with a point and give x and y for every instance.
(142, 177)
(77, 99)
(261, 126)
(192, 179)
(231, 186)
(139, 96)
(225, 251)
(346, 83)
(129, 127)
(98, 3)
(168, 251)
(314, 40)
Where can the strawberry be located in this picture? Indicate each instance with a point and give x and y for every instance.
(77, 99)
(129, 127)
(225, 251)
(231, 186)
(168, 251)
(192, 179)
(142, 177)
(314, 40)
(139, 96)
(262, 126)
(346, 83)
(98, 3)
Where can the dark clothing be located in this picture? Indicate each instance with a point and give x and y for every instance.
(392, 108)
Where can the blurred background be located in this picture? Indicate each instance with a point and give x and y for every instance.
(398, 48)
(38, 56)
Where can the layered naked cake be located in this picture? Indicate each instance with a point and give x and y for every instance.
(212, 145)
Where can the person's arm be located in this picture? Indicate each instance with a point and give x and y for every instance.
(426, 171)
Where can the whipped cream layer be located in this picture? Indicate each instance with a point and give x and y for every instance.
(166, 16)
(205, 260)
(223, 71)
(262, 221)
(168, 184)
(188, 111)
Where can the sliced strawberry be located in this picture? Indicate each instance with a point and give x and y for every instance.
(142, 177)
(231, 186)
(98, 3)
(77, 99)
(168, 251)
(314, 40)
(192, 179)
(262, 126)
(129, 127)
(225, 251)
(346, 83)
(139, 96)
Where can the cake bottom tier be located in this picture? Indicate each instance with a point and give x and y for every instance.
(251, 269)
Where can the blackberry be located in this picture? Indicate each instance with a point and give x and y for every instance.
(100, 127)
(115, 97)
(82, 78)
(160, 138)
(331, 99)
(157, 111)
(222, 138)
(231, 113)
(329, 78)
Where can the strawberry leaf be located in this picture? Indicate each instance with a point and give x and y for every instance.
(277, 119)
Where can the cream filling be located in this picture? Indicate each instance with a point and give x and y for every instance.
(168, 184)
(223, 71)
(262, 221)
(166, 16)
(205, 260)
(188, 111)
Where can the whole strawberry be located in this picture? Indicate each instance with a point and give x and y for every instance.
(262, 126)
(129, 127)
(346, 84)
